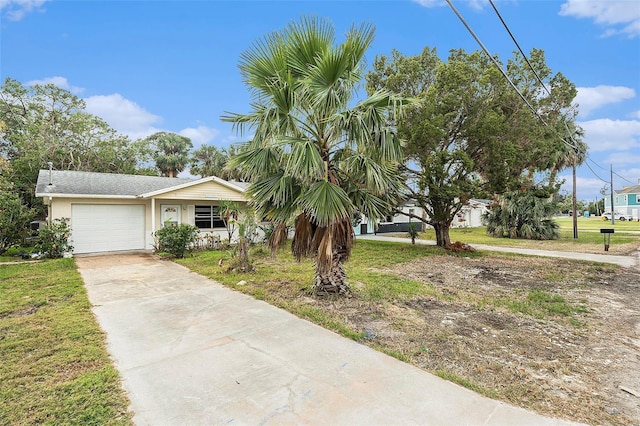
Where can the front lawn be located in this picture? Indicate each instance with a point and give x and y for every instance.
(54, 365)
(513, 328)
(625, 240)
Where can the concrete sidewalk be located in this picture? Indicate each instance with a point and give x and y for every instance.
(192, 352)
(631, 261)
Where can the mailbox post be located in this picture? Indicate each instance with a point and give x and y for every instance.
(606, 234)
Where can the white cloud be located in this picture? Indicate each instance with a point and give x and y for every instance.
(618, 16)
(588, 188)
(473, 4)
(605, 134)
(431, 3)
(622, 158)
(635, 114)
(200, 135)
(592, 98)
(58, 81)
(123, 115)
(15, 10)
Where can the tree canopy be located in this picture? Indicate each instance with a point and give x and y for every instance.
(470, 135)
(317, 155)
(44, 123)
(170, 152)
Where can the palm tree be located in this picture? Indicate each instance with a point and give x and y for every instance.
(207, 161)
(172, 152)
(316, 156)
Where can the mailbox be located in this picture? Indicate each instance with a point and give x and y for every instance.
(606, 234)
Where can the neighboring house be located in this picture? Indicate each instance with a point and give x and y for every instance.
(400, 222)
(113, 212)
(625, 201)
(471, 214)
(469, 217)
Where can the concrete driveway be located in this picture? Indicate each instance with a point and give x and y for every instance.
(192, 352)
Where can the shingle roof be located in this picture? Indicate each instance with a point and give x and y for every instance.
(90, 183)
(629, 190)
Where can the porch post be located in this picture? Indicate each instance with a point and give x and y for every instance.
(153, 215)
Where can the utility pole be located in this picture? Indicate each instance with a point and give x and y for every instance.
(575, 209)
(613, 216)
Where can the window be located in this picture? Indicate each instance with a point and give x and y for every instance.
(208, 217)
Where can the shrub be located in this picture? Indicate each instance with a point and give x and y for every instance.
(522, 215)
(14, 220)
(413, 232)
(53, 239)
(176, 239)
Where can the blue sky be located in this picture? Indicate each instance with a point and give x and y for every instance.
(146, 66)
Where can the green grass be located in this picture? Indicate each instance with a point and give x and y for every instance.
(595, 223)
(55, 368)
(541, 304)
(588, 234)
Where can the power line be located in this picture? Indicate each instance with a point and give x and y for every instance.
(594, 162)
(495, 62)
(586, 163)
(574, 144)
(625, 179)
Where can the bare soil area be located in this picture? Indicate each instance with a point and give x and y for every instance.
(583, 365)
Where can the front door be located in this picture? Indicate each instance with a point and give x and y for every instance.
(170, 214)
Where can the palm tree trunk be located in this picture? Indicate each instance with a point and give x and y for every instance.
(332, 281)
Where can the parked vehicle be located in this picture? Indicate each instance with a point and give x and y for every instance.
(618, 216)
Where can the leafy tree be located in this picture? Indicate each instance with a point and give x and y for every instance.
(316, 156)
(14, 214)
(522, 214)
(44, 123)
(171, 152)
(470, 135)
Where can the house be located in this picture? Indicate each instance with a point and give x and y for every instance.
(625, 201)
(470, 216)
(113, 212)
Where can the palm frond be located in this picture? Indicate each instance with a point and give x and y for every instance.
(304, 161)
(302, 246)
(325, 203)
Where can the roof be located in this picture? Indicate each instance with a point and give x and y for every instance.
(66, 182)
(635, 189)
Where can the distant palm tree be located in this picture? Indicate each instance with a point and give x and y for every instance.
(522, 214)
(207, 161)
(171, 152)
(315, 156)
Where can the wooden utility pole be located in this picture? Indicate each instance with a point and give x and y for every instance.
(575, 203)
(613, 216)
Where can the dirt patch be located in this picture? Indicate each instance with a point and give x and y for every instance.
(561, 338)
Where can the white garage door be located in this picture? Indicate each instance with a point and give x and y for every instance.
(105, 227)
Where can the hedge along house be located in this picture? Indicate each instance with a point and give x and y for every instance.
(115, 212)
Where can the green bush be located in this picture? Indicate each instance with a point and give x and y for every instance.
(53, 239)
(176, 239)
(14, 220)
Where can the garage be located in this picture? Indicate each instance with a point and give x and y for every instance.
(107, 227)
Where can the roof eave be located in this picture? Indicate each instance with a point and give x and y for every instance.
(189, 184)
(57, 195)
